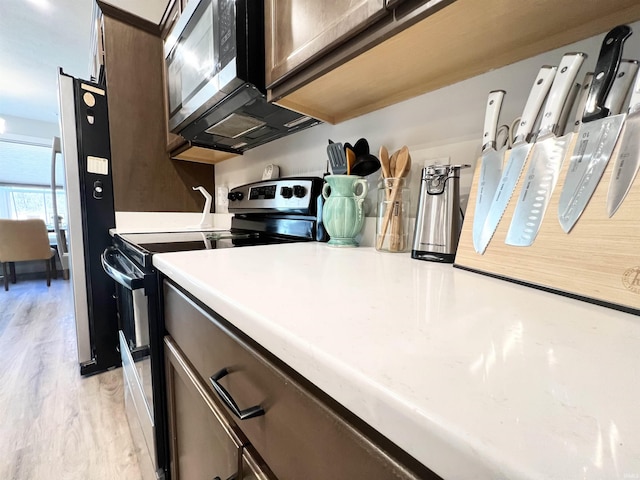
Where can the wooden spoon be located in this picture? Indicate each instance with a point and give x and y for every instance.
(384, 162)
(393, 161)
(402, 166)
(397, 237)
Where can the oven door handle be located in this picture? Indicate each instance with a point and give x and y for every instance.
(110, 264)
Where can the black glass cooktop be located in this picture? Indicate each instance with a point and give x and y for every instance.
(200, 240)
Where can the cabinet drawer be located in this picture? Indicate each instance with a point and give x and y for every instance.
(299, 435)
(203, 441)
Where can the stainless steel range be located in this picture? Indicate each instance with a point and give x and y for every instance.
(266, 212)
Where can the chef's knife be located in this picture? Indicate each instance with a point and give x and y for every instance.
(546, 158)
(627, 164)
(597, 135)
(491, 166)
(615, 98)
(517, 157)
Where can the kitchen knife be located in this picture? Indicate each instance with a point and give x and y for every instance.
(582, 101)
(491, 164)
(597, 135)
(621, 84)
(546, 161)
(569, 103)
(546, 157)
(517, 157)
(615, 99)
(626, 165)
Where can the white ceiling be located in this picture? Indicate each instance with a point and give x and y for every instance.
(37, 37)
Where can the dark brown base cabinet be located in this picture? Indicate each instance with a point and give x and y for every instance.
(301, 434)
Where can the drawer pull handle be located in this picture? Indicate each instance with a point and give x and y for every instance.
(229, 401)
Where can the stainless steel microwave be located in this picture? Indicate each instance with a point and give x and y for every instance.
(215, 64)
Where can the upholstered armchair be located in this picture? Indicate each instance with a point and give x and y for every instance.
(23, 240)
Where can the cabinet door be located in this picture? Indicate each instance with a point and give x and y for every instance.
(203, 444)
(253, 467)
(298, 31)
(299, 433)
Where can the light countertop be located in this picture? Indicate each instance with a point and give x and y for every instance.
(476, 377)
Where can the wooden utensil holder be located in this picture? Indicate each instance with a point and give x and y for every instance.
(598, 261)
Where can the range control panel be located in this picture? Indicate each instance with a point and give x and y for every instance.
(292, 195)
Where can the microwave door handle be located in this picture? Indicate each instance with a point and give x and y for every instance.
(109, 265)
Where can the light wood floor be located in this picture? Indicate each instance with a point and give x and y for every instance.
(53, 422)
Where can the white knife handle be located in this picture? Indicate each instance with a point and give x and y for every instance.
(562, 83)
(634, 103)
(492, 112)
(537, 94)
(621, 84)
(582, 100)
(567, 108)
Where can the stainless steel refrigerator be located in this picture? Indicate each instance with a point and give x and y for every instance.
(86, 152)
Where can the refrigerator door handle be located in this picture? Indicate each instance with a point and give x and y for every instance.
(63, 251)
(115, 267)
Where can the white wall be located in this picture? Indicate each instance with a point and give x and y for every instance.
(442, 123)
(29, 130)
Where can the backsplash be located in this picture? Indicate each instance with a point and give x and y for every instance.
(438, 127)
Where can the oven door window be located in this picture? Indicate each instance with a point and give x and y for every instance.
(134, 320)
(191, 65)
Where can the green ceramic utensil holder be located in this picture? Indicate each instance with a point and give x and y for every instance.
(343, 213)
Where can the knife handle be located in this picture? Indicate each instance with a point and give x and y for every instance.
(634, 103)
(582, 100)
(537, 95)
(606, 68)
(567, 108)
(562, 83)
(621, 84)
(492, 112)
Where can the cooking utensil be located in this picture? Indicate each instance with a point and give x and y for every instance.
(627, 71)
(361, 147)
(597, 135)
(392, 163)
(337, 158)
(402, 163)
(517, 157)
(397, 238)
(365, 165)
(627, 164)
(384, 162)
(351, 159)
(546, 159)
(491, 164)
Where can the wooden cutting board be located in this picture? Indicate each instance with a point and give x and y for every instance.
(598, 261)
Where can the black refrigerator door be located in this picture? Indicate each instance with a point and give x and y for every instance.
(96, 194)
(84, 123)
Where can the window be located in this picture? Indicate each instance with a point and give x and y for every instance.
(25, 182)
(32, 202)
